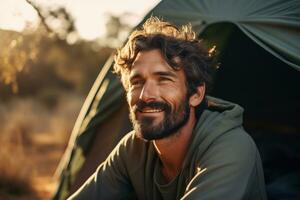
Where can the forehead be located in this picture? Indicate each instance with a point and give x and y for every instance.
(151, 61)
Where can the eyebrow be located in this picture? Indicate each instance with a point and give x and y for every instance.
(158, 73)
(165, 73)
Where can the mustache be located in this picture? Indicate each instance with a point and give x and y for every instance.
(140, 105)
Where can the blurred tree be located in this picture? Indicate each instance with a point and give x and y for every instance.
(34, 62)
(17, 51)
(113, 26)
(116, 30)
(52, 57)
(57, 21)
(14, 55)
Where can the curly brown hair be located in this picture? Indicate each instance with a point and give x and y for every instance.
(179, 46)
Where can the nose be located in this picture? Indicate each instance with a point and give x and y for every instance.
(149, 92)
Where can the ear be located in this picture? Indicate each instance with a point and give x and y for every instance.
(198, 96)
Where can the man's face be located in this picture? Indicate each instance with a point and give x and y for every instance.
(157, 97)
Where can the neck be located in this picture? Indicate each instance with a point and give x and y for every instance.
(172, 150)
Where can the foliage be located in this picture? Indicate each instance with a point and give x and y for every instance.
(57, 21)
(43, 82)
(15, 53)
(34, 62)
(45, 74)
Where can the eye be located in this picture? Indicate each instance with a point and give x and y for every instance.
(165, 79)
(136, 82)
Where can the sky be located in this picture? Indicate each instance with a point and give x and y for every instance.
(90, 15)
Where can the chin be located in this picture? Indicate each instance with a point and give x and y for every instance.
(153, 134)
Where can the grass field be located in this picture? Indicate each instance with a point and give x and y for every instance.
(33, 138)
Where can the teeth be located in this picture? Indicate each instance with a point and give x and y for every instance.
(151, 110)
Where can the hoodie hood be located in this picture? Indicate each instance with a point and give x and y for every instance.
(218, 118)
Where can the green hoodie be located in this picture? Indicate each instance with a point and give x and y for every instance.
(222, 162)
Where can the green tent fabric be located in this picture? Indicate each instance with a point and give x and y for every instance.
(274, 25)
(104, 98)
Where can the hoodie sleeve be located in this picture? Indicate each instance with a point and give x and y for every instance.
(110, 181)
(230, 168)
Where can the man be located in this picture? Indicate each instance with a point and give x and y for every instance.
(185, 145)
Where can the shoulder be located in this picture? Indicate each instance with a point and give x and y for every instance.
(234, 147)
(228, 167)
(131, 142)
(131, 147)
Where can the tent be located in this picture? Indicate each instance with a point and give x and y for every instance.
(259, 53)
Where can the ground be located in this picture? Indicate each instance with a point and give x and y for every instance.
(28, 167)
(46, 155)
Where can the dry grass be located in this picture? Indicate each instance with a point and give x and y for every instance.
(16, 170)
(32, 138)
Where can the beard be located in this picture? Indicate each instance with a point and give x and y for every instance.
(173, 119)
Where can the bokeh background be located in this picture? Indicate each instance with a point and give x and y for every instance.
(50, 54)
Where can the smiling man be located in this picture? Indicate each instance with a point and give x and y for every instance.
(185, 144)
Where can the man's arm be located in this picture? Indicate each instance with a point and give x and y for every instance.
(231, 168)
(110, 181)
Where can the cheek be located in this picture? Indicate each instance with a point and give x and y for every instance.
(132, 97)
(175, 99)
